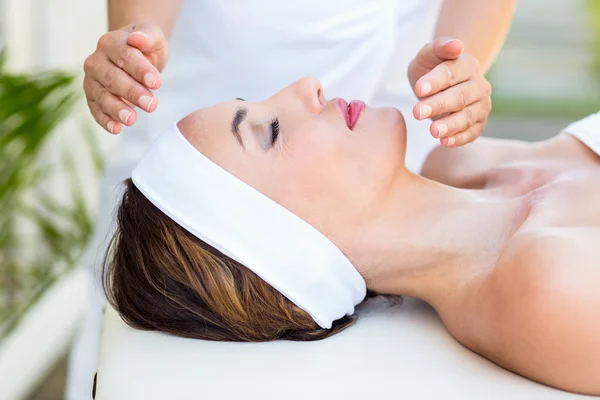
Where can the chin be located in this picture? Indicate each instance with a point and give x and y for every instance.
(392, 122)
(385, 129)
(395, 119)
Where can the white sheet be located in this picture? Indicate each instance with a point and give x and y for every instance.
(587, 130)
(401, 351)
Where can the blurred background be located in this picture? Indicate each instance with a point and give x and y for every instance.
(51, 155)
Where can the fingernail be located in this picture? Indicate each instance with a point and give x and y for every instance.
(111, 127)
(451, 141)
(425, 111)
(138, 33)
(124, 116)
(425, 88)
(149, 80)
(447, 41)
(146, 102)
(442, 130)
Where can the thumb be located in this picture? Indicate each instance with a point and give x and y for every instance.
(147, 38)
(436, 52)
(448, 48)
(150, 40)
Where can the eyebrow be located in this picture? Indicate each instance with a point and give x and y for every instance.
(239, 117)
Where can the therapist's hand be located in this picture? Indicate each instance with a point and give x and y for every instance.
(121, 73)
(452, 91)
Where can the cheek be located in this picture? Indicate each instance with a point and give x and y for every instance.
(325, 184)
(331, 178)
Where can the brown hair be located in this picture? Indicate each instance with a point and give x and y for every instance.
(159, 276)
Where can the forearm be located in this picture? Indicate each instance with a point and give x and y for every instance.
(160, 12)
(482, 25)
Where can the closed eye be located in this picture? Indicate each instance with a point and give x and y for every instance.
(274, 131)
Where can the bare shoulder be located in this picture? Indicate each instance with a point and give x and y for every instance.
(540, 308)
(465, 166)
(462, 166)
(566, 148)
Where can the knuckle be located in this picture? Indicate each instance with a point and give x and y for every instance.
(439, 105)
(125, 54)
(448, 72)
(463, 97)
(110, 78)
(104, 41)
(88, 64)
(474, 133)
(487, 88)
(469, 117)
(131, 93)
(100, 95)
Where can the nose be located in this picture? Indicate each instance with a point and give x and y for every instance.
(310, 91)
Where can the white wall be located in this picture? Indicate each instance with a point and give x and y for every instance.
(49, 34)
(52, 34)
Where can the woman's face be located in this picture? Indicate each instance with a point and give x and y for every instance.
(298, 149)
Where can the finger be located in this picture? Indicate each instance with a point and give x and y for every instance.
(465, 137)
(149, 39)
(447, 48)
(110, 104)
(145, 37)
(133, 62)
(438, 51)
(450, 100)
(105, 121)
(445, 75)
(119, 83)
(128, 58)
(460, 121)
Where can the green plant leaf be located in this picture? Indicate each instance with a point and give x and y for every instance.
(31, 107)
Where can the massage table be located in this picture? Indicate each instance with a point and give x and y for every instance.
(396, 350)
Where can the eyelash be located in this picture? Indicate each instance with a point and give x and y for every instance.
(274, 130)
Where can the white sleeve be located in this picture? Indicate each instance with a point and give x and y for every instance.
(587, 130)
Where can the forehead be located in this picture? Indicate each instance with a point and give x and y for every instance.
(209, 128)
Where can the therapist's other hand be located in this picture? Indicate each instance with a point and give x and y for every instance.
(121, 73)
(452, 91)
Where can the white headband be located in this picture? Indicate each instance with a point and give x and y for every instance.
(247, 226)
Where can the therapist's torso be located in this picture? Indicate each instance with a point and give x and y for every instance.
(220, 50)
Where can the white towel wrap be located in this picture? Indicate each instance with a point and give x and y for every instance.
(587, 130)
(242, 223)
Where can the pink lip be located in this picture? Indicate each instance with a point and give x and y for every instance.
(356, 108)
(350, 112)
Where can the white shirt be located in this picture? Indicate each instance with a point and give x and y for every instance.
(220, 50)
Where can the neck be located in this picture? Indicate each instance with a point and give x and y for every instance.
(431, 241)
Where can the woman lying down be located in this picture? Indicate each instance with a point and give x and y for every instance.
(272, 220)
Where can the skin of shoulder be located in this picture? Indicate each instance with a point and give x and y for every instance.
(463, 166)
(538, 312)
(466, 166)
